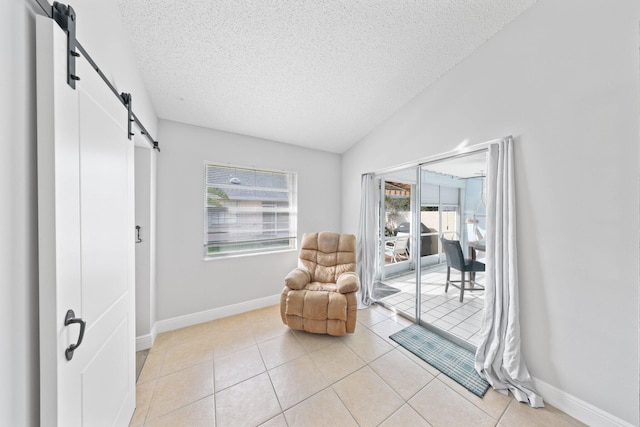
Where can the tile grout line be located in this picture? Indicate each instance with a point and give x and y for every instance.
(268, 371)
(505, 410)
(448, 312)
(213, 378)
(405, 401)
(155, 386)
(329, 385)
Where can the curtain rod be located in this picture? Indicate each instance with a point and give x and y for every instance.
(458, 152)
(124, 98)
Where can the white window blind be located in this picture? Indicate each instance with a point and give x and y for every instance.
(449, 195)
(248, 210)
(433, 194)
(430, 194)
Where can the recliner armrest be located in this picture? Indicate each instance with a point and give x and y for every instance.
(348, 282)
(298, 278)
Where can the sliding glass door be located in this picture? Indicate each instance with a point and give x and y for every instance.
(395, 226)
(419, 206)
(396, 287)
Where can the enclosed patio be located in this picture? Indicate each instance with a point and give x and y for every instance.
(437, 307)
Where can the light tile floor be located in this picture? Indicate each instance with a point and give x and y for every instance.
(251, 370)
(439, 308)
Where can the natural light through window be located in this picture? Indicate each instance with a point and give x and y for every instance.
(248, 211)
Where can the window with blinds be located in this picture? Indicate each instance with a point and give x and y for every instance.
(248, 211)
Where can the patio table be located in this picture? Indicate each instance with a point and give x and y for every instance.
(479, 245)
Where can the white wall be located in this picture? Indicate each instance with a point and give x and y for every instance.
(145, 172)
(187, 283)
(98, 32)
(19, 363)
(563, 79)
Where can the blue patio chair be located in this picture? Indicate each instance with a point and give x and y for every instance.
(456, 259)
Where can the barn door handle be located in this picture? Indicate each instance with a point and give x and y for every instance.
(68, 320)
(138, 239)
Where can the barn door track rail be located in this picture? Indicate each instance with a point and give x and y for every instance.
(65, 17)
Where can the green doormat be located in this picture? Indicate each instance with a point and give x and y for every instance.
(454, 361)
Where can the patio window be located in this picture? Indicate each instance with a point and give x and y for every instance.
(248, 211)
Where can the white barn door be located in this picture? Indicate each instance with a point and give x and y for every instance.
(86, 243)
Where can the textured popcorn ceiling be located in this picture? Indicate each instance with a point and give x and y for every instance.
(320, 74)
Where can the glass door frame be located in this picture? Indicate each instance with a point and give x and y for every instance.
(415, 231)
(385, 270)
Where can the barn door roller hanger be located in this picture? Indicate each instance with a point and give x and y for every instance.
(65, 17)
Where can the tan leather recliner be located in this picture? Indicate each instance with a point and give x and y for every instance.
(320, 294)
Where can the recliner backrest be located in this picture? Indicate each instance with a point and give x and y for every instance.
(327, 255)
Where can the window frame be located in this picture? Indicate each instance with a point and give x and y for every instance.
(232, 216)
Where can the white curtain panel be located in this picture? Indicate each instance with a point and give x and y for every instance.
(498, 357)
(367, 239)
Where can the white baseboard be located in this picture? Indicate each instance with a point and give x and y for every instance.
(578, 408)
(146, 341)
(213, 314)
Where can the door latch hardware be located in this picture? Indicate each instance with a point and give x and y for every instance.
(68, 320)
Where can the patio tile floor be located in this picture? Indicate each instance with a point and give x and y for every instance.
(443, 310)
